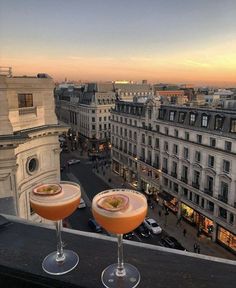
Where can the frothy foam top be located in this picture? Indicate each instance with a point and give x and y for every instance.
(68, 194)
(137, 203)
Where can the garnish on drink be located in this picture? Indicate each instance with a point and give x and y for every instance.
(47, 189)
(113, 203)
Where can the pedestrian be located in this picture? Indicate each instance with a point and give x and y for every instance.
(184, 232)
(198, 249)
(178, 221)
(195, 247)
(159, 213)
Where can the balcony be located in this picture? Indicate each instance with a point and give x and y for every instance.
(164, 170)
(195, 185)
(174, 174)
(27, 110)
(223, 198)
(184, 179)
(21, 260)
(208, 192)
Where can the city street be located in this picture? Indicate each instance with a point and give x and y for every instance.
(91, 184)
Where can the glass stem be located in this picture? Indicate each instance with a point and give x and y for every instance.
(60, 254)
(120, 267)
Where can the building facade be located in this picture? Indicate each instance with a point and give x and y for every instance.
(184, 156)
(29, 146)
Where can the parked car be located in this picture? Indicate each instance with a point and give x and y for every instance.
(143, 231)
(171, 242)
(94, 226)
(73, 161)
(128, 236)
(82, 204)
(152, 225)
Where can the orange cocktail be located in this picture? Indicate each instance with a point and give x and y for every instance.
(56, 206)
(124, 220)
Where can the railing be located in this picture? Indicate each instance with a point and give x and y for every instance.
(208, 192)
(27, 110)
(195, 185)
(223, 198)
(174, 174)
(164, 170)
(184, 179)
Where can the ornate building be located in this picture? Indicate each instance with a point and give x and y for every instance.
(29, 146)
(185, 156)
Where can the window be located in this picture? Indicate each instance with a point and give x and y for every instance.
(219, 122)
(176, 133)
(204, 120)
(228, 146)
(224, 191)
(162, 113)
(185, 153)
(149, 140)
(157, 128)
(186, 135)
(135, 135)
(165, 163)
(100, 118)
(185, 172)
(25, 100)
(105, 118)
(210, 184)
(143, 138)
(196, 177)
(93, 127)
(93, 119)
(222, 212)
(226, 166)
(157, 143)
(233, 126)
(198, 156)
(181, 117)
(212, 142)
(100, 127)
(172, 116)
(211, 161)
(166, 131)
(192, 118)
(32, 165)
(93, 111)
(199, 139)
(166, 146)
(130, 134)
(175, 149)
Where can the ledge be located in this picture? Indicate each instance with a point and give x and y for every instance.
(24, 245)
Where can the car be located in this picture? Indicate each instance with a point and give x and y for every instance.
(128, 236)
(94, 226)
(82, 204)
(73, 161)
(65, 149)
(171, 242)
(143, 231)
(152, 225)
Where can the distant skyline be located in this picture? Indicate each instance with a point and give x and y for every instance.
(175, 41)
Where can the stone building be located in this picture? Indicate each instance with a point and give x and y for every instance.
(29, 146)
(185, 156)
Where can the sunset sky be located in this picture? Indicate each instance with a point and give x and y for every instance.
(182, 41)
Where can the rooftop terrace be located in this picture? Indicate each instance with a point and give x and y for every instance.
(24, 245)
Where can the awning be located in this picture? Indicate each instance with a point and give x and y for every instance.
(166, 196)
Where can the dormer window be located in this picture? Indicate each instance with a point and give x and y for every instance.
(205, 119)
(192, 118)
(219, 122)
(182, 117)
(172, 116)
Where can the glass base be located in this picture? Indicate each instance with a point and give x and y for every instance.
(110, 279)
(51, 266)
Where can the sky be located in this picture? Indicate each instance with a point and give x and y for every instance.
(172, 41)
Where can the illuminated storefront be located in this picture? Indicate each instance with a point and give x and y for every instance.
(226, 238)
(203, 223)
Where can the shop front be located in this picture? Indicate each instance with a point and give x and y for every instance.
(203, 224)
(226, 238)
(169, 201)
(116, 167)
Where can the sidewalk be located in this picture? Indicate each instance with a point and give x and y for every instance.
(207, 247)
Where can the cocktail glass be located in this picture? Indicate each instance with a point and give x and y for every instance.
(120, 221)
(56, 207)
